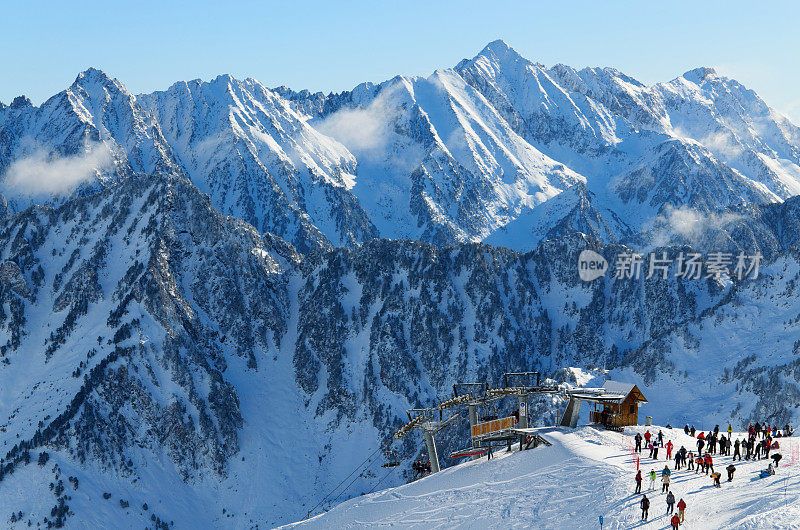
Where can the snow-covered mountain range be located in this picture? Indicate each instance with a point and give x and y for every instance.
(468, 154)
(240, 290)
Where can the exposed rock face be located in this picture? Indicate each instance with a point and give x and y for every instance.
(11, 276)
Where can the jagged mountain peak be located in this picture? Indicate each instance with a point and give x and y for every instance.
(700, 74)
(499, 48)
(20, 102)
(94, 77)
(501, 55)
(93, 73)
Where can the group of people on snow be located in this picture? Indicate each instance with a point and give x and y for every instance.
(758, 443)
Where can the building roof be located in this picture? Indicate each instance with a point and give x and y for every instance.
(625, 389)
(611, 391)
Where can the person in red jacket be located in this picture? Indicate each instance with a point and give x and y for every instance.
(709, 463)
(639, 481)
(669, 447)
(647, 437)
(681, 508)
(676, 521)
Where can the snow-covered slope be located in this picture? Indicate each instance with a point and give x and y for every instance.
(96, 119)
(261, 162)
(444, 165)
(585, 474)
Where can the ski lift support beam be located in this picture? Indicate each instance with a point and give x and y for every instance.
(423, 419)
(526, 376)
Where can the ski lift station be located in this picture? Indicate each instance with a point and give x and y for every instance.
(616, 405)
(487, 429)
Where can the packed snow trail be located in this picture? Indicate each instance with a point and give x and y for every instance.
(586, 473)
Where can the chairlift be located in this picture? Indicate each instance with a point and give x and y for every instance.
(392, 458)
(469, 452)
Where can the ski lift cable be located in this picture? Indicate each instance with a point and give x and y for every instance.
(362, 464)
(365, 469)
(386, 475)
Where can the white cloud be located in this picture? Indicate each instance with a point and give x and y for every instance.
(689, 225)
(363, 129)
(47, 173)
(722, 143)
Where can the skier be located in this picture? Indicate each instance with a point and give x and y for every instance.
(664, 483)
(715, 477)
(758, 450)
(681, 508)
(700, 444)
(655, 452)
(638, 481)
(638, 440)
(489, 452)
(777, 458)
(690, 459)
(678, 460)
(669, 447)
(645, 504)
(730, 431)
(675, 521)
(660, 438)
(730, 469)
(670, 503)
(652, 479)
(698, 464)
(692, 431)
(686, 429)
(736, 452)
(647, 436)
(709, 462)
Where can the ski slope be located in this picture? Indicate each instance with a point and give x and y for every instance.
(586, 473)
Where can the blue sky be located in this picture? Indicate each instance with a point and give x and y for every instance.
(336, 45)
